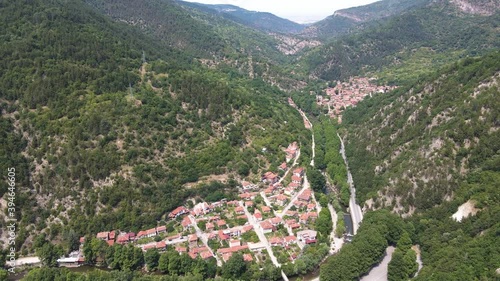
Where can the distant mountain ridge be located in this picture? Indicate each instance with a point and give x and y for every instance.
(342, 21)
(262, 21)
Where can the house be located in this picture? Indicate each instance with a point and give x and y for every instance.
(181, 250)
(296, 179)
(312, 215)
(245, 185)
(290, 240)
(206, 255)
(242, 217)
(232, 232)
(161, 245)
(299, 172)
(257, 215)
(209, 226)
(233, 203)
(123, 238)
(267, 227)
(186, 223)
(82, 240)
(149, 246)
(275, 241)
(305, 195)
(281, 199)
(151, 232)
(247, 196)
(247, 257)
(276, 221)
(311, 206)
(223, 236)
(141, 234)
(161, 229)
(103, 235)
(289, 191)
(246, 228)
(173, 237)
(192, 255)
(193, 238)
(234, 243)
(239, 210)
(270, 177)
(291, 151)
(307, 234)
(266, 209)
(199, 249)
(221, 223)
(110, 242)
(232, 249)
(181, 210)
(283, 166)
(226, 256)
(201, 208)
(304, 218)
(294, 185)
(249, 203)
(269, 191)
(112, 235)
(291, 213)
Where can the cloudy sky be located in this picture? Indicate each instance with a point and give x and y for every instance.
(302, 11)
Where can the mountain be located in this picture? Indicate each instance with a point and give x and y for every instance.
(413, 147)
(428, 152)
(108, 127)
(439, 26)
(346, 20)
(265, 22)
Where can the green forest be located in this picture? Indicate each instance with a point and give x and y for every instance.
(113, 113)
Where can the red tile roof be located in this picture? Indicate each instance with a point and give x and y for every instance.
(232, 249)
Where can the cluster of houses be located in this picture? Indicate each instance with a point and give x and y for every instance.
(346, 94)
(207, 216)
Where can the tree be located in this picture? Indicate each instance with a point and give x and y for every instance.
(71, 240)
(151, 258)
(235, 267)
(163, 263)
(324, 222)
(404, 242)
(316, 179)
(49, 254)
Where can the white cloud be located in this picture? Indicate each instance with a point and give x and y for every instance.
(296, 10)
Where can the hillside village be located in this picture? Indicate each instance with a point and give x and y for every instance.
(346, 94)
(269, 221)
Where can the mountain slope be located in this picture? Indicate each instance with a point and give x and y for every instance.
(103, 136)
(439, 26)
(262, 21)
(411, 149)
(343, 21)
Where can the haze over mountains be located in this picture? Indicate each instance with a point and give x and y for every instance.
(114, 112)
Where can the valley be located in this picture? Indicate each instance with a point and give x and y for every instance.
(167, 140)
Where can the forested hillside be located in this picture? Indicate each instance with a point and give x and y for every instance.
(351, 19)
(265, 22)
(411, 149)
(421, 152)
(439, 26)
(105, 125)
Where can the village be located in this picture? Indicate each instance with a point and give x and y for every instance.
(346, 94)
(270, 221)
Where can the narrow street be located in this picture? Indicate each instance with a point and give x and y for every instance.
(204, 239)
(262, 238)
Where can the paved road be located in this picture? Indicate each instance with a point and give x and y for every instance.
(336, 243)
(354, 209)
(379, 272)
(263, 239)
(203, 236)
(290, 204)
